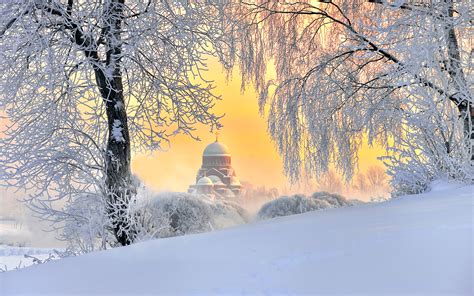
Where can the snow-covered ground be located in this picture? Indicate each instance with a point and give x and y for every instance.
(14, 235)
(412, 245)
(12, 257)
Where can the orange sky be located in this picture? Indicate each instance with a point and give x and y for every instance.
(253, 155)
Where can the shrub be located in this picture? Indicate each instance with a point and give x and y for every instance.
(86, 226)
(175, 214)
(298, 204)
(334, 200)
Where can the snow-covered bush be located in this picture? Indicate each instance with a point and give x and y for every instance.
(334, 200)
(86, 226)
(174, 214)
(86, 219)
(298, 204)
(285, 206)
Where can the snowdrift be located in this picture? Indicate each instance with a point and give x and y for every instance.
(420, 244)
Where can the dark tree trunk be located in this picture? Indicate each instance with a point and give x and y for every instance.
(466, 111)
(462, 95)
(118, 179)
(118, 173)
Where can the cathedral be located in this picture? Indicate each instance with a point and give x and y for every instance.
(216, 175)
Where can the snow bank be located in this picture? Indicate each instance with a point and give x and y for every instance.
(419, 245)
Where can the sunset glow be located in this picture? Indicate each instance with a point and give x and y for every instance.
(244, 131)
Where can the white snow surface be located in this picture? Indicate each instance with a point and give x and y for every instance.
(418, 244)
(12, 257)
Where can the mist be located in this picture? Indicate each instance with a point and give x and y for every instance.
(20, 227)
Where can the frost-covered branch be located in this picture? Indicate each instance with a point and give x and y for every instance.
(347, 70)
(85, 83)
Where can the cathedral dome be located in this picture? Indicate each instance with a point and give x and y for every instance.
(216, 149)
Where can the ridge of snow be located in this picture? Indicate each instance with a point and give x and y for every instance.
(409, 245)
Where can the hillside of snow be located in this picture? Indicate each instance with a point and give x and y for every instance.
(420, 244)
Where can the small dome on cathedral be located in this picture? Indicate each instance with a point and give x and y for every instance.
(216, 148)
(204, 181)
(215, 180)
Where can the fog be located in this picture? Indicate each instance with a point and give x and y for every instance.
(20, 227)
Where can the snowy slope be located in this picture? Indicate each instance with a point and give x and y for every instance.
(14, 257)
(421, 244)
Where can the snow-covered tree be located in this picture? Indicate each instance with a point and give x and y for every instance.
(85, 83)
(373, 183)
(346, 70)
(376, 177)
(330, 182)
(360, 183)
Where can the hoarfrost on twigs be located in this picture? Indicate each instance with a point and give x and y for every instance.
(84, 83)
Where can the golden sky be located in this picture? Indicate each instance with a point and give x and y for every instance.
(244, 132)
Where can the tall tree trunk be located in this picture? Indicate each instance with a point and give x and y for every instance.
(462, 96)
(118, 181)
(118, 173)
(468, 114)
(108, 75)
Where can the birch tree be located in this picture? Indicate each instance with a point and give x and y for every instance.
(346, 70)
(85, 83)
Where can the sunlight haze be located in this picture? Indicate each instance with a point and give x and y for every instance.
(244, 131)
